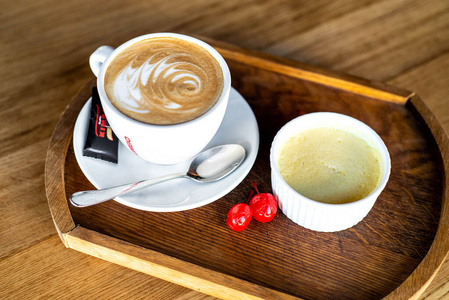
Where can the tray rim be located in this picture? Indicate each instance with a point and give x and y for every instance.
(212, 282)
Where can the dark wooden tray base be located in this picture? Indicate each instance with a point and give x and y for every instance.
(278, 259)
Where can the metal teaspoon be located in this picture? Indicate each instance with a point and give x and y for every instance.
(210, 165)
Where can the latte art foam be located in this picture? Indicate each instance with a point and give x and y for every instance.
(164, 81)
(154, 79)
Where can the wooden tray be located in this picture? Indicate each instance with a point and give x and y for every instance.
(394, 252)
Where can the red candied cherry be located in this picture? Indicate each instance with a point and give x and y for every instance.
(264, 206)
(239, 216)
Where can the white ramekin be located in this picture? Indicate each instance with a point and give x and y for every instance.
(316, 215)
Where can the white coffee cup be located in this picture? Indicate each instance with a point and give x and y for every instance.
(317, 215)
(161, 144)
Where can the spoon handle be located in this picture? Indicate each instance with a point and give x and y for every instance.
(88, 198)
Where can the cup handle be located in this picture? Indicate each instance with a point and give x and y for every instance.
(97, 58)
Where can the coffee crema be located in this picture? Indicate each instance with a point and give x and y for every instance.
(330, 165)
(164, 81)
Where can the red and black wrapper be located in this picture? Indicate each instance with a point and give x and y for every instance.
(101, 142)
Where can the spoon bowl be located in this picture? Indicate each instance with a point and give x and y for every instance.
(210, 165)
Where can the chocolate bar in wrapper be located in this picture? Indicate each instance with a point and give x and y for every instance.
(101, 141)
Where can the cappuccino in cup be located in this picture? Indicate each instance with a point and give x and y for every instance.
(164, 94)
(164, 81)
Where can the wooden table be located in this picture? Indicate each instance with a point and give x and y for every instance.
(44, 51)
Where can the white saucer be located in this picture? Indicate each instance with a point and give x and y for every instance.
(239, 127)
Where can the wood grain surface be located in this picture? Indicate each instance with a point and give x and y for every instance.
(44, 53)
